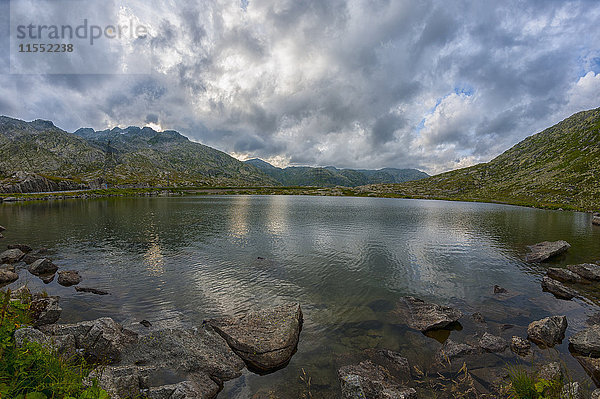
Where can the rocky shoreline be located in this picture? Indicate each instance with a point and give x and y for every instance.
(199, 360)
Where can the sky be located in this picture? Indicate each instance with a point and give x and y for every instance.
(432, 85)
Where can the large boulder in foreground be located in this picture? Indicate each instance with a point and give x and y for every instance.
(266, 339)
(424, 316)
(368, 380)
(557, 288)
(543, 251)
(101, 340)
(586, 342)
(547, 332)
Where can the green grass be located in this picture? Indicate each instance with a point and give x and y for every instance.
(33, 371)
(525, 384)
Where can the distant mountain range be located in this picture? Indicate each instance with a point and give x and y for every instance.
(131, 156)
(559, 166)
(330, 176)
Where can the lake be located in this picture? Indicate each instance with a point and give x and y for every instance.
(178, 260)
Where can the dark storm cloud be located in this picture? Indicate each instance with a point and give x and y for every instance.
(353, 83)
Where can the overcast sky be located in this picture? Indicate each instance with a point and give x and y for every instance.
(433, 85)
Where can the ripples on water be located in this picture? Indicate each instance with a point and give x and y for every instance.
(176, 261)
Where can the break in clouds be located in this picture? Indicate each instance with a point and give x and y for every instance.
(434, 85)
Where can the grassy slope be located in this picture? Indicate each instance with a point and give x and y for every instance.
(559, 167)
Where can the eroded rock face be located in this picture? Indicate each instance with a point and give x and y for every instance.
(368, 380)
(547, 332)
(586, 342)
(545, 250)
(589, 271)
(11, 256)
(565, 275)
(102, 340)
(42, 267)
(424, 316)
(557, 289)
(266, 339)
(68, 278)
(186, 352)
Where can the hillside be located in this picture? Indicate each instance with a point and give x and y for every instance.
(132, 156)
(559, 166)
(331, 176)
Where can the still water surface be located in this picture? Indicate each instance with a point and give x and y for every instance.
(176, 261)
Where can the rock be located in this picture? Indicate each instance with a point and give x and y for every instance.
(29, 258)
(478, 317)
(557, 289)
(41, 267)
(10, 267)
(520, 346)
(571, 390)
(547, 332)
(452, 350)
(102, 340)
(586, 342)
(596, 220)
(499, 290)
(595, 394)
(550, 372)
(424, 316)
(187, 353)
(91, 290)
(24, 248)
(492, 343)
(47, 278)
(121, 381)
(44, 310)
(197, 389)
(397, 360)
(64, 344)
(368, 380)
(68, 277)
(11, 256)
(265, 339)
(2, 228)
(589, 271)
(543, 251)
(21, 294)
(565, 275)
(146, 323)
(591, 366)
(7, 276)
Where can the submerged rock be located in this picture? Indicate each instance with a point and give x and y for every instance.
(547, 332)
(68, 278)
(266, 339)
(11, 256)
(565, 275)
(545, 250)
(586, 342)
(368, 380)
(492, 343)
(452, 350)
(520, 346)
(42, 267)
(557, 289)
(589, 271)
(424, 316)
(499, 290)
(91, 290)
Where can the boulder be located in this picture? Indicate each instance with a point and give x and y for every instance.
(543, 251)
(565, 275)
(47, 278)
(7, 276)
(44, 310)
(122, 381)
(452, 350)
(11, 256)
(368, 380)
(547, 332)
(24, 248)
(520, 346)
(589, 271)
(591, 366)
(10, 267)
(266, 339)
(586, 342)
(101, 340)
(186, 353)
(91, 290)
(557, 289)
(492, 343)
(63, 345)
(424, 316)
(400, 363)
(68, 278)
(42, 267)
